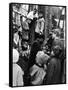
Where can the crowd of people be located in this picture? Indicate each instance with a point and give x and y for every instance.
(37, 61)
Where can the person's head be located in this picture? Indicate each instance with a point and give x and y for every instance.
(35, 10)
(41, 58)
(57, 50)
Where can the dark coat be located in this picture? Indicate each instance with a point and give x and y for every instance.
(34, 49)
(53, 71)
(32, 31)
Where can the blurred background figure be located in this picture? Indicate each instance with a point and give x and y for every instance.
(32, 16)
(17, 71)
(39, 26)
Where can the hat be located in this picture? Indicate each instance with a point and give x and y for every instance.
(41, 57)
(15, 56)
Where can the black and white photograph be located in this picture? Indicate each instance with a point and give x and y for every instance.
(37, 44)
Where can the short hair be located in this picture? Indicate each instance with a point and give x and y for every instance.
(57, 50)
